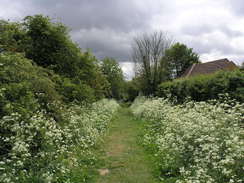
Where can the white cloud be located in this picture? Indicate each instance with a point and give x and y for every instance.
(10, 10)
(128, 69)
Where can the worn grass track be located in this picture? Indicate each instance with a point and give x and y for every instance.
(125, 160)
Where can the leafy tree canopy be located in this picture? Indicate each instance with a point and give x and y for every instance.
(114, 75)
(178, 58)
(48, 44)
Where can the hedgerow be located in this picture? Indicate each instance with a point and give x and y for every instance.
(195, 142)
(51, 112)
(204, 87)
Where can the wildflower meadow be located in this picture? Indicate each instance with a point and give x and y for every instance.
(196, 141)
(41, 150)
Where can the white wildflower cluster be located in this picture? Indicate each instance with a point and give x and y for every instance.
(197, 141)
(39, 149)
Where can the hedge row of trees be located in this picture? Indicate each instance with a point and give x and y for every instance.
(42, 69)
(39, 42)
(42, 73)
(204, 87)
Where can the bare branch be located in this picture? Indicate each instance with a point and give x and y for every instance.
(147, 53)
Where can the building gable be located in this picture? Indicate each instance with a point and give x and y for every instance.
(209, 67)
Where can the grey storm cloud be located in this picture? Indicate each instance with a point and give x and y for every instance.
(107, 27)
(104, 42)
(120, 15)
(104, 26)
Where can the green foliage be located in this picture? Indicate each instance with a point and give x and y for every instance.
(204, 87)
(132, 90)
(25, 86)
(194, 142)
(13, 37)
(76, 92)
(90, 73)
(25, 89)
(115, 78)
(242, 66)
(178, 58)
(42, 72)
(48, 44)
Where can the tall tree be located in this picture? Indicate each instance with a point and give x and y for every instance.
(178, 58)
(147, 54)
(12, 37)
(48, 44)
(114, 74)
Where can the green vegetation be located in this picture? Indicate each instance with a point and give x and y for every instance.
(38, 149)
(194, 142)
(132, 89)
(52, 111)
(57, 126)
(26, 87)
(114, 75)
(178, 58)
(48, 45)
(204, 87)
(124, 159)
(158, 60)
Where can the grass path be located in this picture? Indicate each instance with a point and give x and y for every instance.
(125, 160)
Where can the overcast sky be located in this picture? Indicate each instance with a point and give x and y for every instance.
(214, 29)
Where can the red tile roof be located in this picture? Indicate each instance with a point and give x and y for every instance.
(209, 67)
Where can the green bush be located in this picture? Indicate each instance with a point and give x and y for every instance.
(204, 87)
(25, 86)
(132, 90)
(76, 92)
(24, 89)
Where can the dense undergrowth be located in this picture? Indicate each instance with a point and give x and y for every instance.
(38, 149)
(195, 141)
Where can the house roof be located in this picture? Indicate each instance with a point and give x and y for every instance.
(209, 67)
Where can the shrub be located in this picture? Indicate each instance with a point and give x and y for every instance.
(204, 87)
(76, 92)
(26, 87)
